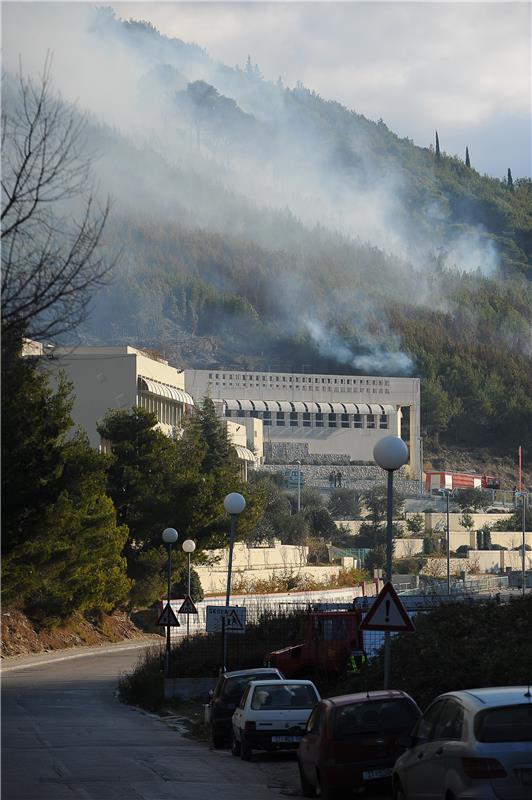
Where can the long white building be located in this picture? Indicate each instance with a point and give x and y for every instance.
(331, 414)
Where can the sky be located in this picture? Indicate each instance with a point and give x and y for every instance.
(463, 69)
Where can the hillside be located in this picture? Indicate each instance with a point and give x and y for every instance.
(267, 227)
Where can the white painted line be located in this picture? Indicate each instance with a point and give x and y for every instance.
(117, 649)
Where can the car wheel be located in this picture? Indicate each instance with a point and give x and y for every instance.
(398, 792)
(246, 751)
(307, 789)
(235, 745)
(218, 740)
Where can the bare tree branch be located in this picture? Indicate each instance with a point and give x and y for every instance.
(51, 223)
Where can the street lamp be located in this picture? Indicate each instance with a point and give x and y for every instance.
(448, 493)
(298, 486)
(188, 546)
(390, 453)
(234, 504)
(170, 537)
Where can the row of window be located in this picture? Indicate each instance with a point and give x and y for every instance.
(295, 420)
(167, 411)
(268, 379)
(304, 388)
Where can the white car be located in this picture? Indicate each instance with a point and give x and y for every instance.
(474, 744)
(272, 715)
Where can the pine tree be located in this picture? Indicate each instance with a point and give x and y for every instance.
(510, 180)
(467, 160)
(437, 146)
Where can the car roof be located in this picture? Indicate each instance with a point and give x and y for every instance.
(284, 682)
(490, 696)
(365, 697)
(242, 673)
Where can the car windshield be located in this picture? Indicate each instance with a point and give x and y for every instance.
(275, 698)
(234, 687)
(506, 724)
(374, 716)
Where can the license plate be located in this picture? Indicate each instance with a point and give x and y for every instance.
(374, 774)
(279, 739)
(524, 776)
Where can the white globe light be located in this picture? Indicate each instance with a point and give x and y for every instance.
(234, 503)
(188, 546)
(390, 453)
(170, 536)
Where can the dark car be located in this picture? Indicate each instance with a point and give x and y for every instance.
(227, 695)
(351, 741)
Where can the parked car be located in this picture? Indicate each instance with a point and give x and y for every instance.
(226, 696)
(470, 744)
(351, 741)
(272, 716)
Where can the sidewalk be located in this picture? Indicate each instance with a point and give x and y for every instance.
(11, 663)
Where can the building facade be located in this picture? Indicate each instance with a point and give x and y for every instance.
(110, 378)
(327, 414)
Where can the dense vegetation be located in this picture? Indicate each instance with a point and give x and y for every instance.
(451, 648)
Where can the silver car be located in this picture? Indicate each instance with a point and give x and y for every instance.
(474, 744)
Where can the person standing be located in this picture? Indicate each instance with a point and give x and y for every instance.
(339, 478)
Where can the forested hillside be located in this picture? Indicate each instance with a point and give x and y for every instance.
(265, 226)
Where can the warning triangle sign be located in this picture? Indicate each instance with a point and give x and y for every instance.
(387, 613)
(233, 621)
(167, 617)
(188, 606)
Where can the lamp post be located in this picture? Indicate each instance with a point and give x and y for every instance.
(448, 493)
(523, 554)
(170, 537)
(390, 453)
(234, 504)
(188, 546)
(298, 486)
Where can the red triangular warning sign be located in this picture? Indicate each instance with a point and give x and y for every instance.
(168, 618)
(387, 613)
(188, 606)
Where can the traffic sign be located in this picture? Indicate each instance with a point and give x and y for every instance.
(235, 619)
(167, 618)
(387, 613)
(188, 606)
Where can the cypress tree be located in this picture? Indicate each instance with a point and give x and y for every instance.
(437, 146)
(510, 180)
(467, 161)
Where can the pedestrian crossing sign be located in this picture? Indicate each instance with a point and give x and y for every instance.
(167, 618)
(188, 606)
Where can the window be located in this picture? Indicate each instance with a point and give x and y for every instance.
(293, 419)
(306, 420)
(332, 420)
(357, 421)
(345, 420)
(450, 721)
(383, 422)
(279, 419)
(505, 724)
(424, 730)
(332, 629)
(267, 418)
(319, 420)
(370, 421)
(228, 413)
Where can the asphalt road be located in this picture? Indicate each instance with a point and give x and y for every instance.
(66, 737)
